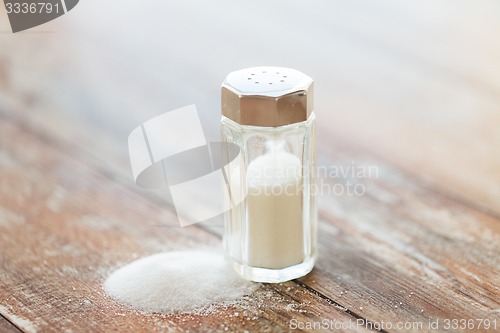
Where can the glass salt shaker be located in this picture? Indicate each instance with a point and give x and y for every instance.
(270, 236)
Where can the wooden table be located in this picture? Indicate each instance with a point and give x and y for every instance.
(410, 88)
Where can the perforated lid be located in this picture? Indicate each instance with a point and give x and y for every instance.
(267, 96)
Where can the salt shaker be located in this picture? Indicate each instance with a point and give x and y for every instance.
(270, 236)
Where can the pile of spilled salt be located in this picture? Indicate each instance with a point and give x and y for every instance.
(180, 281)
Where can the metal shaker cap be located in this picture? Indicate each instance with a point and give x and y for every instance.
(267, 96)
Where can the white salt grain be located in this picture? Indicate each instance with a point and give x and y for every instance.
(177, 282)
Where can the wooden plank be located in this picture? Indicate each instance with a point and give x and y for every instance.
(362, 248)
(65, 227)
(403, 250)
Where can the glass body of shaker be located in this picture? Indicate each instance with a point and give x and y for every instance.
(270, 236)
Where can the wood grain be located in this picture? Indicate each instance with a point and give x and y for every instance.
(402, 250)
(359, 248)
(52, 275)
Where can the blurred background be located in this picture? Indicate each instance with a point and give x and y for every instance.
(416, 83)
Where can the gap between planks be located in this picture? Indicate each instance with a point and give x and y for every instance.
(7, 326)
